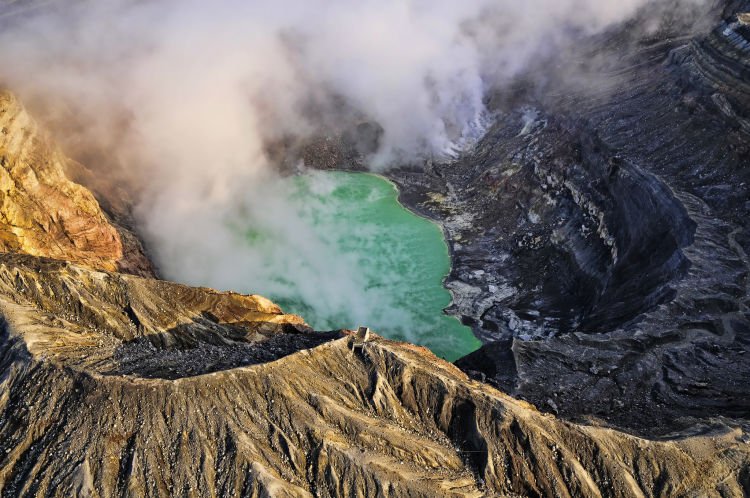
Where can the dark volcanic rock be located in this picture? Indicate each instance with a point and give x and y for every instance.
(600, 244)
(117, 385)
(599, 231)
(601, 237)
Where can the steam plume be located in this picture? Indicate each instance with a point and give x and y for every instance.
(185, 95)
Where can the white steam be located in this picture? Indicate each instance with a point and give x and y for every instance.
(188, 94)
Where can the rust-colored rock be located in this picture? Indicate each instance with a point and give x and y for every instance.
(117, 385)
(43, 213)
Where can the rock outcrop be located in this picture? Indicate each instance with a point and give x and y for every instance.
(600, 235)
(117, 385)
(45, 214)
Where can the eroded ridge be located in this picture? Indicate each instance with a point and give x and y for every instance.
(388, 419)
(115, 324)
(114, 385)
(600, 235)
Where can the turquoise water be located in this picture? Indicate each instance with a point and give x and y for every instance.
(354, 255)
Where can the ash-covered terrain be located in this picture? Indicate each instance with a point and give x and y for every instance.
(115, 384)
(599, 230)
(599, 239)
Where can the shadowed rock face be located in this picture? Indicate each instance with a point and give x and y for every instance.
(600, 238)
(599, 231)
(116, 385)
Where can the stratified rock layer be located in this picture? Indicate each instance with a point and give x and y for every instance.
(43, 213)
(603, 253)
(600, 232)
(117, 385)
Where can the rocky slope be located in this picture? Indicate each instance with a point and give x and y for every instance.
(600, 233)
(44, 213)
(117, 385)
(600, 248)
(110, 387)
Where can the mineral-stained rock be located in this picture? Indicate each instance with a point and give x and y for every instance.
(117, 385)
(43, 213)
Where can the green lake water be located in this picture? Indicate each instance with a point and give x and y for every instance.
(355, 256)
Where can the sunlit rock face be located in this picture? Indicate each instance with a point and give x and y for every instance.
(387, 420)
(600, 248)
(44, 213)
(110, 388)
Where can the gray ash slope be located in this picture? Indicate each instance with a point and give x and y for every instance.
(599, 232)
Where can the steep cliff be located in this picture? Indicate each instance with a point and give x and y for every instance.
(600, 243)
(44, 213)
(600, 231)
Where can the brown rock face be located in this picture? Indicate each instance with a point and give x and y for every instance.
(114, 385)
(43, 213)
(117, 385)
